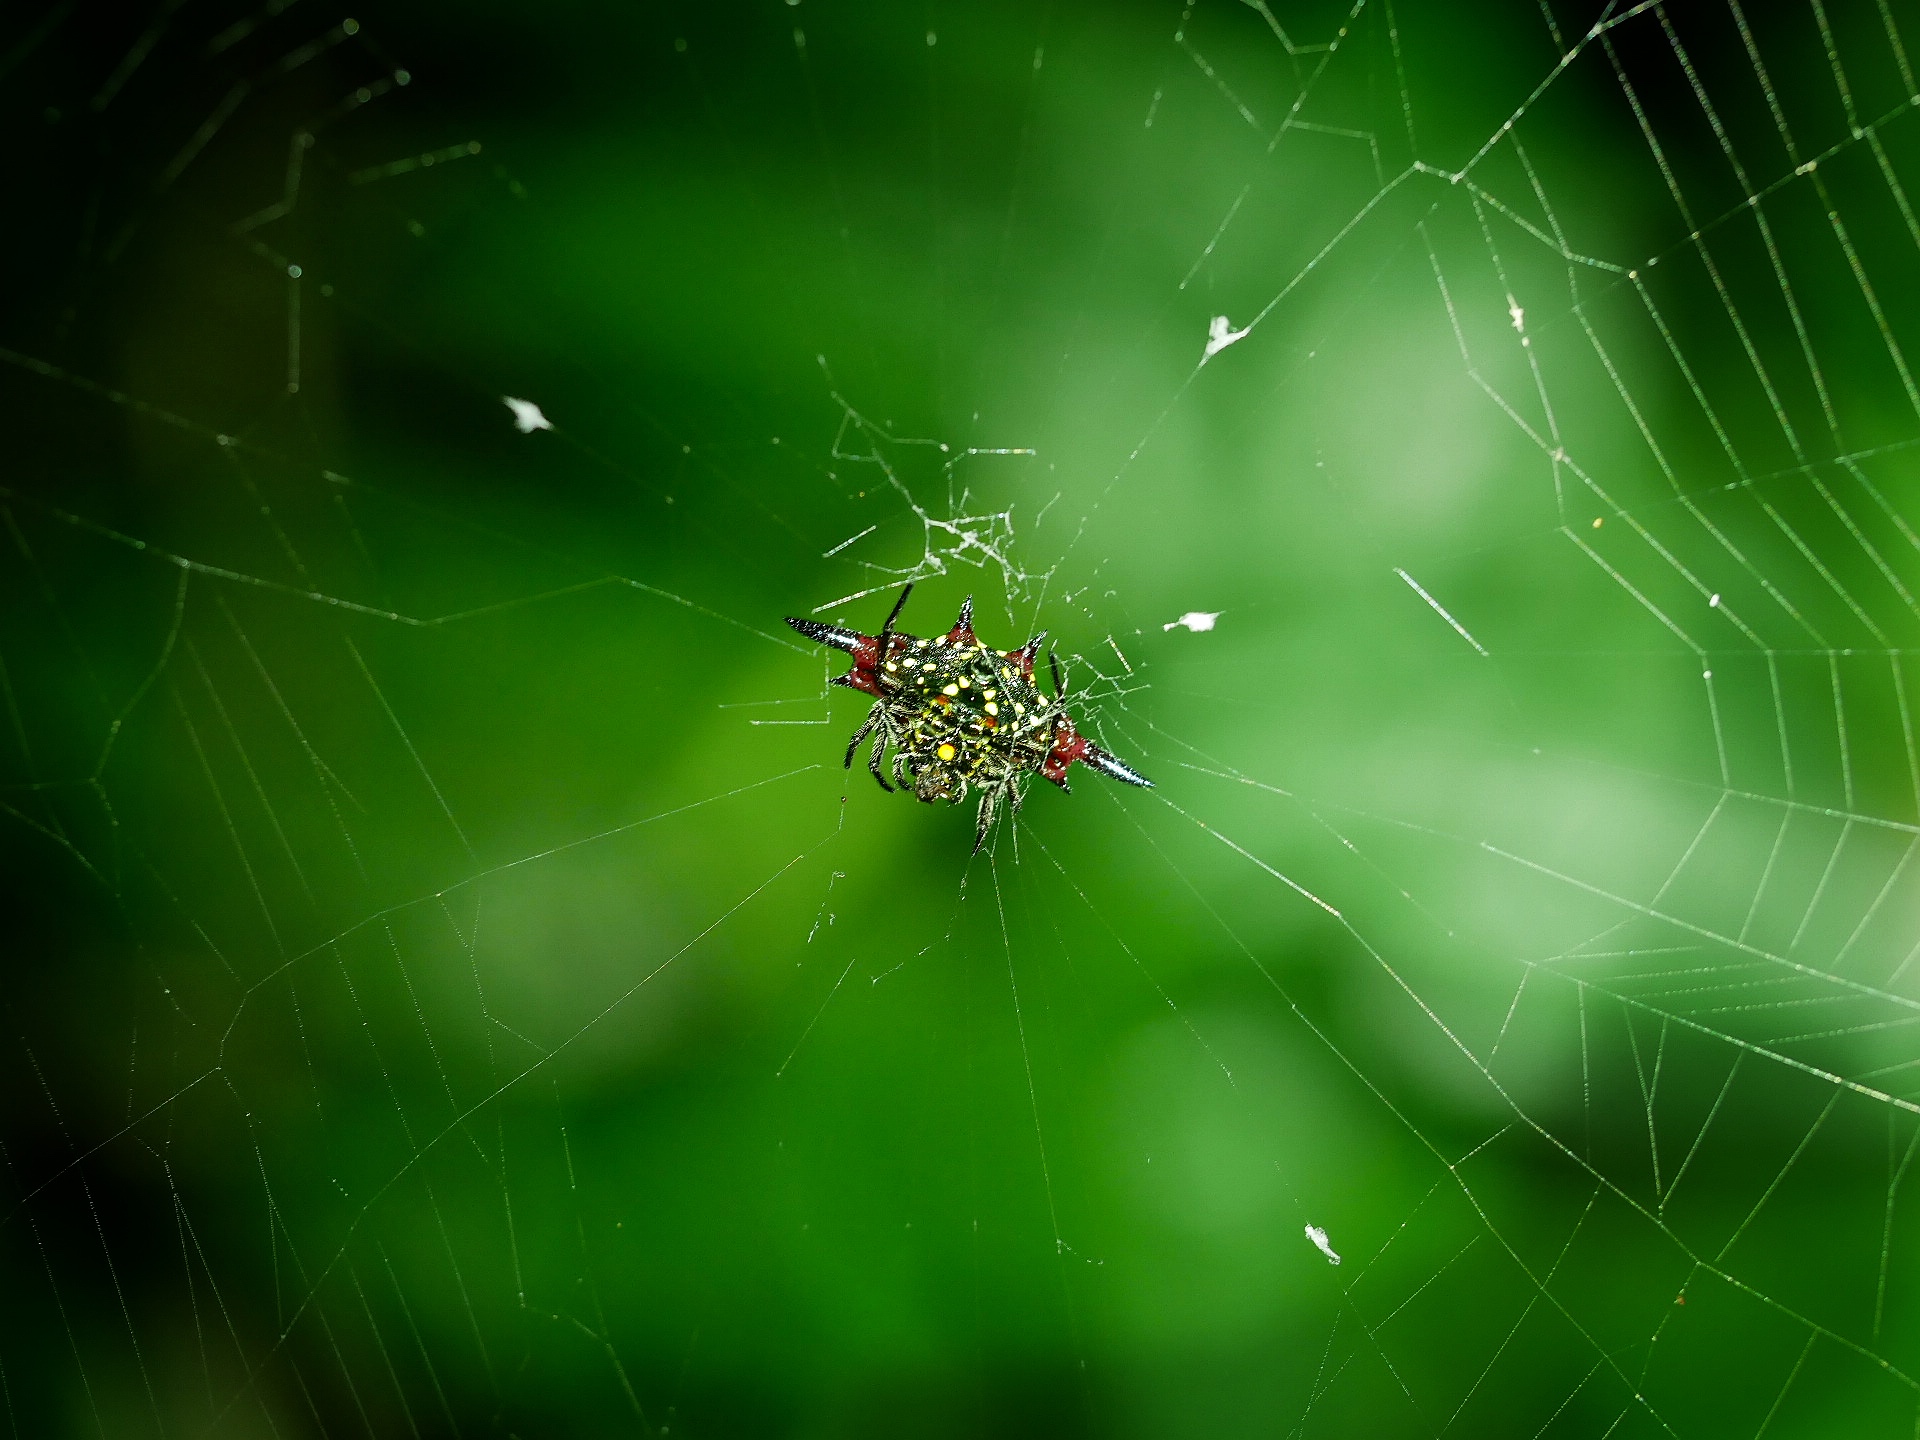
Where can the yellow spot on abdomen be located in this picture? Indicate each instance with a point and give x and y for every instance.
(946, 752)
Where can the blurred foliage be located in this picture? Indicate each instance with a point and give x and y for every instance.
(457, 990)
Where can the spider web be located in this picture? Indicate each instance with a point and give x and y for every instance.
(1465, 458)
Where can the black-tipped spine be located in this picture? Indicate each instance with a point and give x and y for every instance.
(898, 606)
(1100, 760)
(836, 636)
(885, 641)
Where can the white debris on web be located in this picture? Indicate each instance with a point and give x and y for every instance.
(527, 417)
(956, 535)
(1220, 335)
(1195, 620)
(1322, 1244)
(958, 532)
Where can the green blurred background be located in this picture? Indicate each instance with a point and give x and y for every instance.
(455, 988)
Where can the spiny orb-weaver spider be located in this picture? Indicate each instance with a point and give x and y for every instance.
(959, 716)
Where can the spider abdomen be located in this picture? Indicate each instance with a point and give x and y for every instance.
(967, 716)
(958, 716)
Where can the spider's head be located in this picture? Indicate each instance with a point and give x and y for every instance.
(935, 783)
(937, 780)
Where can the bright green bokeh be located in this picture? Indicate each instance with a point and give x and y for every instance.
(463, 993)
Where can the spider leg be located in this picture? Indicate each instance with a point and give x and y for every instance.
(876, 719)
(861, 734)
(866, 729)
(873, 760)
(989, 812)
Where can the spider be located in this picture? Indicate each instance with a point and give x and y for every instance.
(959, 716)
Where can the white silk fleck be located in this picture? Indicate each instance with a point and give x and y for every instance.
(526, 415)
(1322, 1244)
(1195, 620)
(1221, 334)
